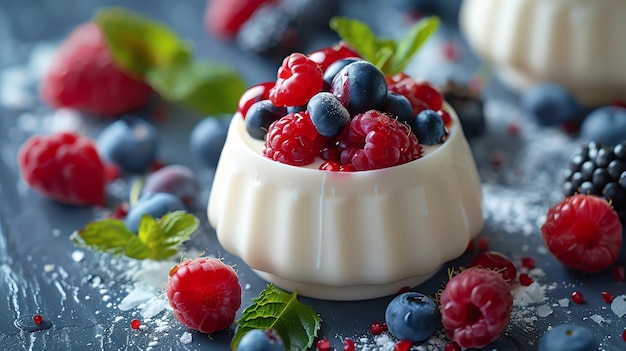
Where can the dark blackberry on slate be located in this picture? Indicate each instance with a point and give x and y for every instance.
(598, 169)
(468, 105)
(269, 32)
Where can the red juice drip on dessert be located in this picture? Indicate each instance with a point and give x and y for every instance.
(32, 323)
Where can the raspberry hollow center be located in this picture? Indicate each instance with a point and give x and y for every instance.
(586, 231)
(472, 313)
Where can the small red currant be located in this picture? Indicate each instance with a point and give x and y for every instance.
(348, 345)
(403, 345)
(607, 297)
(135, 324)
(578, 297)
(624, 335)
(376, 328)
(323, 345)
(38, 319)
(483, 243)
(528, 262)
(525, 279)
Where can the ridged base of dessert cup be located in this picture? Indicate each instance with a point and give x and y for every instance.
(575, 43)
(320, 231)
(345, 292)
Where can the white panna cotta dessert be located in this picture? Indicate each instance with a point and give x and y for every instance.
(576, 43)
(345, 235)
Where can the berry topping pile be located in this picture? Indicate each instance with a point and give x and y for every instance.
(342, 110)
(204, 293)
(583, 233)
(598, 169)
(476, 307)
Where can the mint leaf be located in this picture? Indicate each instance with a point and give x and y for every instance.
(296, 323)
(412, 41)
(151, 51)
(205, 87)
(157, 240)
(388, 55)
(138, 44)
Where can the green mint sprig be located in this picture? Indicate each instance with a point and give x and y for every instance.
(296, 323)
(152, 52)
(389, 56)
(156, 240)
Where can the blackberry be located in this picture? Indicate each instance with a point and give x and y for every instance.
(270, 32)
(598, 169)
(468, 105)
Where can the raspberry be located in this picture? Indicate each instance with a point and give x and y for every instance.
(583, 233)
(293, 140)
(299, 78)
(498, 262)
(422, 95)
(83, 76)
(65, 167)
(476, 307)
(327, 56)
(373, 140)
(204, 293)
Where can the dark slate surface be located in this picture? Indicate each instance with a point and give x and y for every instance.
(80, 292)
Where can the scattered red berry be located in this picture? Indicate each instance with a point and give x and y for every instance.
(254, 94)
(377, 328)
(135, 324)
(38, 319)
(298, 80)
(403, 345)
(373, 140)
(450, 51)
(83, 76)
(204, 293)
(327, 56)
(120, 211)
(348, 345)
(323, 345)
(483, 243)
(528, 262)
(293, 140)
(624, 335)
(476, 307)
(578, 297)
(223, 19)
(497, 262)
(619, 273)
(583, 232)
(607, 297)
(525, 279)
(452, 346)
(65, 167)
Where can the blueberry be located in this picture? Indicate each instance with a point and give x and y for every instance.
(261, 340)
(327, 114)
(130, 143)
(207, 139)
(551, 104)
(360, 87)
(177, 180)
(412, 316)
(155, 204)
(296, 109)
(429, 128)
(337, 66)
(260, 116)
(606, 125)
(398, 106)
(568, 337)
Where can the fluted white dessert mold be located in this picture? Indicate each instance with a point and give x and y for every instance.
(576, 43)
(345, 236)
